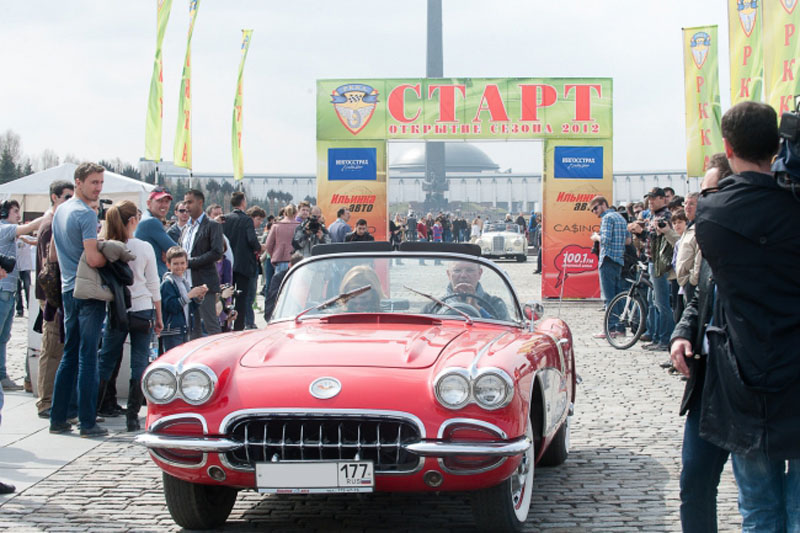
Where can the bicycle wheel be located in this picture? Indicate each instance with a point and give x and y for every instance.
(628, 312)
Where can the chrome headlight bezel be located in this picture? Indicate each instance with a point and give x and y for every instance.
(204, 373)
(453, 374)
(507, 383)
(158, 370)
(471, 379)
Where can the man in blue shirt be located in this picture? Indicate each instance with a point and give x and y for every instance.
(10, 229)
(613, 237)
(339, 229)
(151, 228)
(75, 233)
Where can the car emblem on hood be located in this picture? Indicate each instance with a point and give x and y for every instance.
(325, 388)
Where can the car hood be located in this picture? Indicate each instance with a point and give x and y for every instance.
(352, 345)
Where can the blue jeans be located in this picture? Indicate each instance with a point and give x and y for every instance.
(281, 266)
(113, 341)
(659, 313)
(82, 322)
(7, 301)
(769, 493)
(611, 284)
(702, 464)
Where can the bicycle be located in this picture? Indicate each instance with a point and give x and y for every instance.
(629, 309)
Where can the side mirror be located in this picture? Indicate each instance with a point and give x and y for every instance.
(533, 311)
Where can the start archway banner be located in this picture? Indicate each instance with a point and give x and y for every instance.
(356, 117)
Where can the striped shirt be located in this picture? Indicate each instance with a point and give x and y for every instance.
(613, 233)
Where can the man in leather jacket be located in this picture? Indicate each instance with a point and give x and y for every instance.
(749, 232)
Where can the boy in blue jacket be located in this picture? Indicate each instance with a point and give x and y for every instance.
(177, 299)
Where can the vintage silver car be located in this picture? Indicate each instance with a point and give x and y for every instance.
(503, 239)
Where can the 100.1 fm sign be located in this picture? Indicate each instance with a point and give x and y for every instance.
(355, 119)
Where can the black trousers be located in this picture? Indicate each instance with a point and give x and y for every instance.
(242, 299)
(23, 286)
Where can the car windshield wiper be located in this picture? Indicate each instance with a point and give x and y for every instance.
(343, 297)
(442, 303)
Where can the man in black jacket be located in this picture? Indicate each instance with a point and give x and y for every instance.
(749, 232)
(241, 233)
(202, 240)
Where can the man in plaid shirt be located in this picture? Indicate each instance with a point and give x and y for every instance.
(613, 237)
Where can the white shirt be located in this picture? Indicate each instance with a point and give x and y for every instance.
(188, 241)
(146, 287)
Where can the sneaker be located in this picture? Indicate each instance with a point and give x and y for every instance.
(20, 314)
(73, 421)
(646, 338)
(9, 385)
(657, 347)
(648, 345)
(5, 488)
(94, 431)
(666, 364)
(600, 335)
(60, 428)
(44, 413)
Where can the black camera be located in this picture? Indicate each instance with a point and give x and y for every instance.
(101, 209)
(7, 263)
(662, 224)
(787, 164)
(313, 225)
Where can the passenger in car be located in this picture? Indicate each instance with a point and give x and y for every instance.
(366, 302)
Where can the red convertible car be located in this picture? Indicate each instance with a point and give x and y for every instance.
(412, 370)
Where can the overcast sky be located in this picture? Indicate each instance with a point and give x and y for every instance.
(76, 73)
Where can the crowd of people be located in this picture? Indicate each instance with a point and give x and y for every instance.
(723, 303)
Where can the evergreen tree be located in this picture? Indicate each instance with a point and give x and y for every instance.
(8, 169)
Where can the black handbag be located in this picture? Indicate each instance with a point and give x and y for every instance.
(140, 321)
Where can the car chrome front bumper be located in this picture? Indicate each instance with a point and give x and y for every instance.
(422, 448)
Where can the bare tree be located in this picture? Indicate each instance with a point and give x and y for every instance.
(72, 158)
(11, 143)
(47, 159)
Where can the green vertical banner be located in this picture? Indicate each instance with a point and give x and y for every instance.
(781, 53)
(703, 111)
(155, 103)
(236, 133)
(747, 61)
(182, 153)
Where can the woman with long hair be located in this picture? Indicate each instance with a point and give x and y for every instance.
(145, 310)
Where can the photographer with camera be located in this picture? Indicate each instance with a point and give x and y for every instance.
(310, 232)
(10, 229)
(749, 233)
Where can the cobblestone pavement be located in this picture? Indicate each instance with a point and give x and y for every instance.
(621, 475)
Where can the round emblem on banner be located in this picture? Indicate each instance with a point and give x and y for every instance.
(325, 388)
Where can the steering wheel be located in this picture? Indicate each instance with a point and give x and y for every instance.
(485, 303)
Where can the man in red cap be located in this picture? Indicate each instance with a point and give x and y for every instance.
(151, 227)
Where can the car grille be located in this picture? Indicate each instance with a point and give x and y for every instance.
(320, 438)
(498, 243)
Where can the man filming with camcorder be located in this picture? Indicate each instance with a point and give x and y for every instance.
(310, 232)
(749, 233)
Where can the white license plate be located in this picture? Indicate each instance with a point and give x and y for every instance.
(312, 477)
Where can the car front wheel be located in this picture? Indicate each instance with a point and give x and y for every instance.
(505, 507)
(195, 506)
(521, 258)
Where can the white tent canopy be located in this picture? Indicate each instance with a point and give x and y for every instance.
(33, 192)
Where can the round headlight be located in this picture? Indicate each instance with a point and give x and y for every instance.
(160, 385)
(491, 391)
(196, 386)
(452, 391)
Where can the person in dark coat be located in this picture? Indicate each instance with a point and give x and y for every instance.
(241, 233)
(749, 232)
(361, 233)
(202, 240)
(275, 285)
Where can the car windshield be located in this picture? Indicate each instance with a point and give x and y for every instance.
(513, 228)
(401, 284)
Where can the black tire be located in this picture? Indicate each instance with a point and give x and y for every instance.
(195, 506)
(505, 507)
(631, 314)
(522, 258)
(558, 451)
